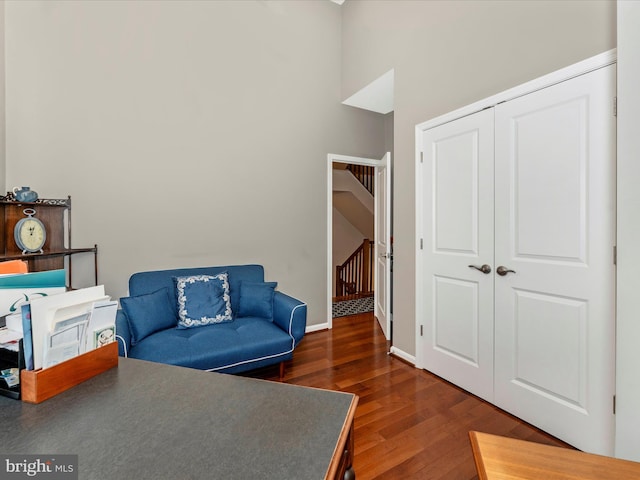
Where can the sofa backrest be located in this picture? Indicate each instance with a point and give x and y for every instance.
(148, 282)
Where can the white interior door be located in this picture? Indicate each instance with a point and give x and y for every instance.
(555, 228)
(458, 219)
(382, 216)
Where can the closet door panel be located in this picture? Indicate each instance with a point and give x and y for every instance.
(536, 315)
(549, 182)
(555, 228)
(458, 216)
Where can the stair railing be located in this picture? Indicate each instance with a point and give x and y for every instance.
(364, 174)
(355, 275)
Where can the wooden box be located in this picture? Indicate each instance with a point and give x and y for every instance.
(40, 385)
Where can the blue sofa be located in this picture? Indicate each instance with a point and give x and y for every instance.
(262, 326)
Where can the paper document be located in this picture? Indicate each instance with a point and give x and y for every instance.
(63, 344)
(14, 321)
(102, 324)
(16, 289)
(43, 311)
(7, 336)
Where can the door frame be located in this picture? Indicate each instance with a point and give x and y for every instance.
(580, 68)
(331, 159)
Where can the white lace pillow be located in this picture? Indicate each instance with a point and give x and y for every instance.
(203, 300)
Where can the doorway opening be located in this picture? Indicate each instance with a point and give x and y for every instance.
(353, 239)
(358, 237)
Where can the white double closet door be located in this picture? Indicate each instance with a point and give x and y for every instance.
(527, 186)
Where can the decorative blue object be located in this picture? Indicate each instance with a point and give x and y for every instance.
(244, 344)
(256, 299)
(25, 194)
(203, 300)
(147, 314)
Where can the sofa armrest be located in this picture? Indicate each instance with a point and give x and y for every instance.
(290, 315)
(123, 334)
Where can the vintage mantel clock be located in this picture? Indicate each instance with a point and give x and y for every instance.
(30, 233)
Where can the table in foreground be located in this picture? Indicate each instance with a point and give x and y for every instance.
(146, 420)
(501, 458)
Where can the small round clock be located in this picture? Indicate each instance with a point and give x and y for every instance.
(30, 233)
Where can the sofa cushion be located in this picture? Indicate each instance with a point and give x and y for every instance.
(245, 341)
(203, 300)
(149, 313)
(256, 299)
(147, 282)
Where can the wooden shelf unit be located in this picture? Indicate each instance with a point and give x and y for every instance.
(55, 214)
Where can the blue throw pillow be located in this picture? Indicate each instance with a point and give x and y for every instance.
(149, 313)
(256, 299)
(203, 300)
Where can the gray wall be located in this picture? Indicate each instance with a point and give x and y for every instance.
(2, 104)
(446, 55)
(187, 133)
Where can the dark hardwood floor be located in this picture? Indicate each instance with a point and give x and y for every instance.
(409, 424)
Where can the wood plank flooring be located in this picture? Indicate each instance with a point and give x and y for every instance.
(409, 424)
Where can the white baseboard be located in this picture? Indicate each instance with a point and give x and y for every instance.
(316, 328)
(403, 355)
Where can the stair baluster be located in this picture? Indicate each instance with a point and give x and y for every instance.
(364, 174)
(355, 275)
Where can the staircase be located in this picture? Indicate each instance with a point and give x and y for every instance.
(364, 174)
(354, 278)
(354, 199)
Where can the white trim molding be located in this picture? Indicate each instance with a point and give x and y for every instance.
(403, 355)
(317, 327)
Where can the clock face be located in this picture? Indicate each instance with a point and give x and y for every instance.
(30, 234)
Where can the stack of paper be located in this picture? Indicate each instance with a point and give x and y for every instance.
(60, 327)
(9, 339)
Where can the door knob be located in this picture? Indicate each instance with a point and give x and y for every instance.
(502, 271)
(484, 268)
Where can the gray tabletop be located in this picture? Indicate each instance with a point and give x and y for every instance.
(147, 420)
